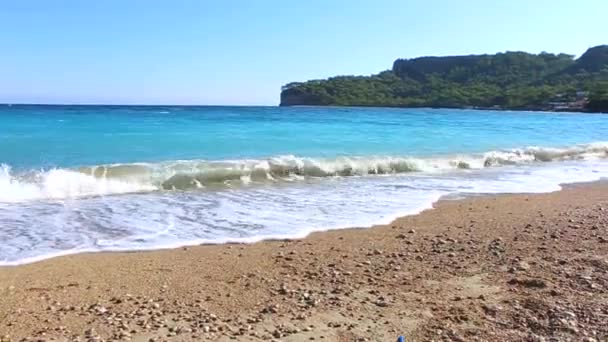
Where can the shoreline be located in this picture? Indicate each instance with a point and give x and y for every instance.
(493, 109)
(243, 241)
(262, 239)
(463, 270)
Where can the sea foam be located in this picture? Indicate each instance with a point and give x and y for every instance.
(201, 174)
(153, 218)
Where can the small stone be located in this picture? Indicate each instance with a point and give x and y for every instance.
(523, 266)
(530, 283)
(491, 309)
(381, 300)
(381, 303)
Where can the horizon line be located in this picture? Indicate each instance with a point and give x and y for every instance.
(7, 104)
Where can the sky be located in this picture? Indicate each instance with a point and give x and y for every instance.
(240, 52)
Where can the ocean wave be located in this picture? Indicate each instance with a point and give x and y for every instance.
(60, 184)
(197, 174)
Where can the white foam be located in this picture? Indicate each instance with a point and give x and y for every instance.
(61, 184)
(33, 231)
(199, 174)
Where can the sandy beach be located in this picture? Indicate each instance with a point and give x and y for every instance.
(512, 267)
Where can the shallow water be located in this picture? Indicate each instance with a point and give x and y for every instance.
(92, 178)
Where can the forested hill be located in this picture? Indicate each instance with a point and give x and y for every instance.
(510, 80)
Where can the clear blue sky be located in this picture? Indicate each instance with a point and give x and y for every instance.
(241, 52)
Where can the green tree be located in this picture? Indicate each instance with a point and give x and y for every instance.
(513, 80)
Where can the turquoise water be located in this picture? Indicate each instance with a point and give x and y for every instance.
(59, 136)
(91, 178)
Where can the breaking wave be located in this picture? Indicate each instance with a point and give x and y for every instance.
(197, 174)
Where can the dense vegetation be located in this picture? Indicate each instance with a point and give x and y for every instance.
(598, 99)
(510, 80)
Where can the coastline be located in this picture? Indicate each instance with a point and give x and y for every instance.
(506, 109)
(492, 109)
(506, 267)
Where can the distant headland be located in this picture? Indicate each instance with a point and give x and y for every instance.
(509, 80)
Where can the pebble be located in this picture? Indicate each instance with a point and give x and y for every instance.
(491, 309)
(530, 283)
(382, 303)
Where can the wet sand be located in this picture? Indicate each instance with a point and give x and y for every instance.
(512, 267)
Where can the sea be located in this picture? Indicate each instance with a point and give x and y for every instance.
(122, 178)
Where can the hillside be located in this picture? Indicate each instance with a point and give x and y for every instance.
(510, 80)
